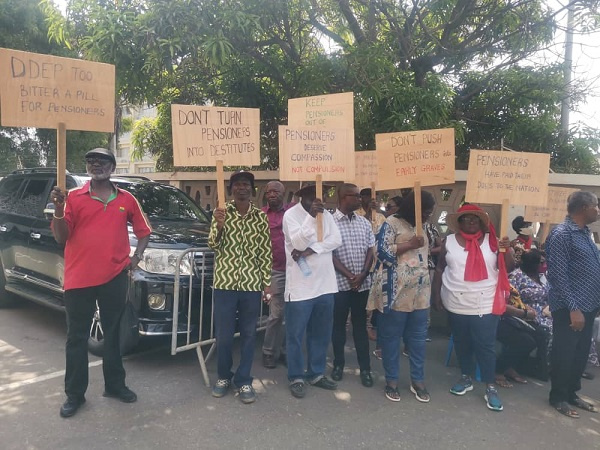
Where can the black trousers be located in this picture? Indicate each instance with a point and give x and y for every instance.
(81, 305)
(355, 303)
(570, 350)
(517, 345)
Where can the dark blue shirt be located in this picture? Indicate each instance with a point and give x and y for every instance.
(573, 268)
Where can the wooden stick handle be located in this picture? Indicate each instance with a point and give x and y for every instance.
(418, 213)
(61, 156)
(504, 220)
(220, 185)
(319, 188)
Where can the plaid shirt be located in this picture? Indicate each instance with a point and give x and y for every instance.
(357, 240)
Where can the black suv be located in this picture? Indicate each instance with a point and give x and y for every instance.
(32, 262)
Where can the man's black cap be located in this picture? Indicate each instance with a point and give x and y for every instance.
(240, 175)
(365, 191)
(102, 153)
(310, 188)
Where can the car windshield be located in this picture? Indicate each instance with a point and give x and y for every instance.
(163, 202)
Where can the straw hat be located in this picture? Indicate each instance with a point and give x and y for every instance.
(452, 219)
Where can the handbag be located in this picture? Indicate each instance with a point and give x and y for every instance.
(518, 323)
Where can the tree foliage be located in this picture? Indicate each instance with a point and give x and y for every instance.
(411, 65)
(23, 27)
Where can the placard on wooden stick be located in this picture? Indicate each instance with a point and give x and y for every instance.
(53, 92)
(203, 135)
(521, 178)
(507, 178)
(330, 110)
(555, 209)
(42, 91)
(305, 153)
(425, 156)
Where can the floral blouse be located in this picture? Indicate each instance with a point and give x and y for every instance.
(406, 276)
(532, 294)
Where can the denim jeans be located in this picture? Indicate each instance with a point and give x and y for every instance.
(81, 305)
(475, 336)
(394, 325)
(245, 305)
(355, 303)
(315, 317)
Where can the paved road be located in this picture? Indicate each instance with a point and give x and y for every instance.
(176, 410)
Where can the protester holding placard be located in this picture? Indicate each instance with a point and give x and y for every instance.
(471, 283)
(353, 261)
(239, 235)
(405, 306)
(310, 283)
(368, 209)
(93, 224)
(574, 296)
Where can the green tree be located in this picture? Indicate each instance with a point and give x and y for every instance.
(23, 27)
(411, 65)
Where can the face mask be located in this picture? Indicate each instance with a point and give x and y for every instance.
(543, 268)
(526, 231)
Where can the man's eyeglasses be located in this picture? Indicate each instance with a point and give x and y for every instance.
(390, 206)
(353, 195)
(100, 161)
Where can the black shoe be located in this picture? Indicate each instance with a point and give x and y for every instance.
(298, 389)
(325, 383)
(365, 378)
(269, 361)
(337, 373)
(124, 394)
(70, 407)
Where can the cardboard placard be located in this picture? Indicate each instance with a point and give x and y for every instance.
(494, 176)
(203, 135)
(365, 169)
(425, 156)
(330, 111)
(305, 153)
(42, 91)
(555, 209)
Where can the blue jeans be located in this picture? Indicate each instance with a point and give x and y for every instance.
(475, 336)
(394, 325)
(246, 306)
(315, 316)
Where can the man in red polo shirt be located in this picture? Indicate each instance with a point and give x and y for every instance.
(93, 226)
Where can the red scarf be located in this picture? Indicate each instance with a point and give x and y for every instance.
(475, 269)
(526, 241)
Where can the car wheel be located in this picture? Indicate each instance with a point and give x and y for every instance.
(96, 339)
(6, 298)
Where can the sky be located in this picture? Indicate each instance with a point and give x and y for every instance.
(586, 66)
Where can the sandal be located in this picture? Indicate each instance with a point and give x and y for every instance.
(514, 376)
(565, 409)
(377, 353)
(503, 382)
(582, 404)
(587, 375)
(392, 393)
(421, 394)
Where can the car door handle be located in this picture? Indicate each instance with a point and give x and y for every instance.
(35, 235)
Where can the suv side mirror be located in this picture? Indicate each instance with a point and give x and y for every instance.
(49, 210)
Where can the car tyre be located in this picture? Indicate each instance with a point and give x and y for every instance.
(96, 339)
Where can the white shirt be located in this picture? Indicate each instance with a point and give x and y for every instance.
(300, 232)
(469, 298)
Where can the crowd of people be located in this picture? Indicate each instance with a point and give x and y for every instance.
(316, 269)
(376, 272)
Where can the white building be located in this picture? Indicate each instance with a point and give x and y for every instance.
(125, 164)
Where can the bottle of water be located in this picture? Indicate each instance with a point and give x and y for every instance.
(304, 267)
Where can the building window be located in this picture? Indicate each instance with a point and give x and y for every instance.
(122, 170)
(145, 170)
